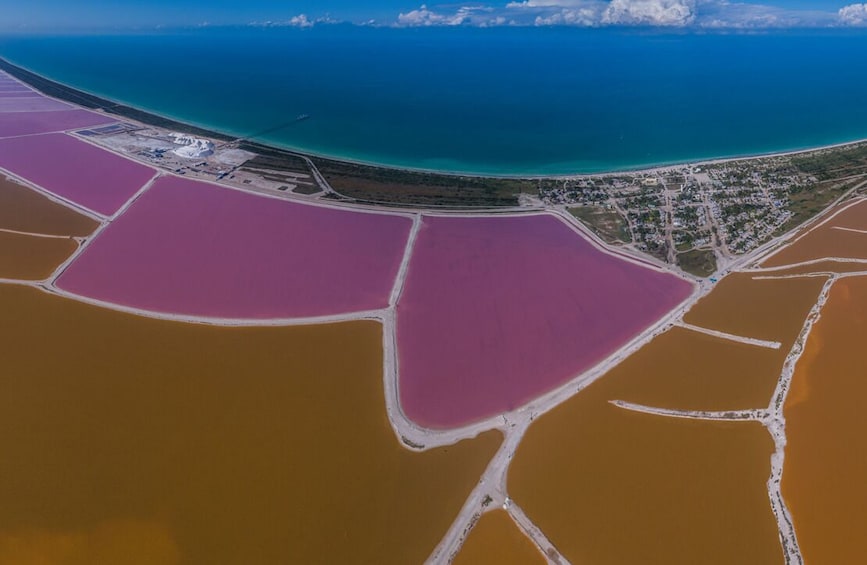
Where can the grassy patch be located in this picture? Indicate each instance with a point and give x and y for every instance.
(808, 202)
(607, 224)
(834, 163)
(698, 262)
(400, 187)
(306, 190)
(278, 162)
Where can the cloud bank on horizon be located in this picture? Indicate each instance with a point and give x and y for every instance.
(702, 14)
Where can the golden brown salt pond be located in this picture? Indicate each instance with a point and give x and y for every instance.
(824, 241)
(496, 540)
(609, 486)
(23, 209)
(826, 415)
(29, 257)
(205, 445)
(768, 309)
(855, 216)
(687, 370)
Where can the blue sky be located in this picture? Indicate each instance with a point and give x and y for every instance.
(60, 15)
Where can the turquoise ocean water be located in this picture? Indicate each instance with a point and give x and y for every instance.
(494, 101)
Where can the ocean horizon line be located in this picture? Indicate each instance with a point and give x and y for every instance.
(549, 158)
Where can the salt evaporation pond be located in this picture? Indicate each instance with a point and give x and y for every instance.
(32, 104)
(28, 123)
(75, 170)
(497, 311)
(23, 209)
(187, 247)
(610, 487)
(19, 94)
(133, 440)
(826, 453)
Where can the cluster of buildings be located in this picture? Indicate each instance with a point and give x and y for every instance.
(726, 209)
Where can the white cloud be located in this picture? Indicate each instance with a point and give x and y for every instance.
(557, 12)
(708, 14)
(722, 14)
(650, 12)
(301, 20)
(853, 14)
(475, 15)
(567, 16)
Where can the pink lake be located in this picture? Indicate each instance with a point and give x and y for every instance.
(192, 248)
(75, 170)
(31, 104)
(20, 94)
(29, 123)
(497, 311)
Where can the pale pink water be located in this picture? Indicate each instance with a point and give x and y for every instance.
(29, 123)
(31, 104)
(192, 248)
(75, 170)
(19, 94)
(497, 311)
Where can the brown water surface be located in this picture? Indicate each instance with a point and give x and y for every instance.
(826, 415)
(30, 257)
(820, 243)
(609, 486)
(208, 445)
(496, 540)
(768, 309)
(687, 370)
(853, 217)
(23, 209)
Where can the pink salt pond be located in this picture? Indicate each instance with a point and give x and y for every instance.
(497, 311)
(31, 104)
(196, 249)
(74, 170)
(19, 94)
(28, 123)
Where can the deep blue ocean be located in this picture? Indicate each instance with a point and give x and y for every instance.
(497, 101)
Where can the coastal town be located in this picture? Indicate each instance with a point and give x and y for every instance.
(701, 217)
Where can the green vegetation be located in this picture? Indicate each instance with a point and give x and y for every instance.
(306, 190)
(698, 262)
(607, 224)
(834, 163)
(401, 187)
(275, 161)
(806, 202)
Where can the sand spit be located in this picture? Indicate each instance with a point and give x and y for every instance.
(496, 540)
(732, 337)
(731, 415)
(776, 425)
